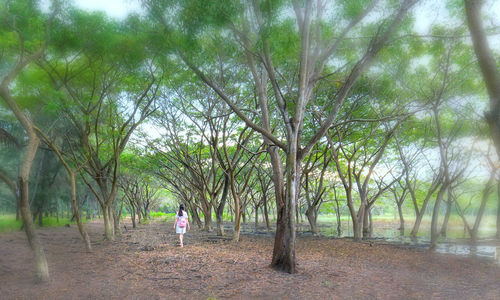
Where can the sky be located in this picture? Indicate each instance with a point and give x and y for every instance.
(118, 9)
(427, 12)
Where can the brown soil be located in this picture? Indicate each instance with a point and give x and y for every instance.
(147, 264)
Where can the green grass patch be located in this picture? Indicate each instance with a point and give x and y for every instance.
(8, 223)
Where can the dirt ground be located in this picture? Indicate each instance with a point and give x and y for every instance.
(145, 263)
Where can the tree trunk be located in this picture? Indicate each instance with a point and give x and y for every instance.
(41, 266)
(312, 217)
(284, 256)
(87, 206)
(401, 220)
(337, 212)
(196, 216)
(498, 211)
(108, 224)
(116, 220)
(17, 208)
(366, 222)
(219, 212)
(132, 215)
(444, 227)
(76, 213)
(256, 217)
(266, 214)
(491, 77)
(418, 217)
(207, 216)
(435, 215)
(40, 217)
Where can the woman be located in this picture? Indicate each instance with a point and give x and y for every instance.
(181, 223)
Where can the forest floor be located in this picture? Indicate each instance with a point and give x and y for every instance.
(146, 263)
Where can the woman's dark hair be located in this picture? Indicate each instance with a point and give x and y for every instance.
(181, 208)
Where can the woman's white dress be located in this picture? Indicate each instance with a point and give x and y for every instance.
(177, 228)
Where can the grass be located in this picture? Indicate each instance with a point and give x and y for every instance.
(166, 217)
(8, 223)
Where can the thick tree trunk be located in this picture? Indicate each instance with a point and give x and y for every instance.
(312, 217)
(207, 216)
(366, 223)
(108, 224)
(284, 258)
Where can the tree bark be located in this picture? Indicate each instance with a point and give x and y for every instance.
(444, 227)
(435, 215)
(312, 217)
(491, 76)
(401, 220)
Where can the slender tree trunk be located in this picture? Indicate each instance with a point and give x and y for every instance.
(76, 213)
(266, 214)
(337, 212)
(57, 211)
(41, 266)
(401, 220)
(17, 208)
(491, 76)
(435, 215)
(418, 217)
(87, 206)
(256, 217)
(219, 212)
(297, 213)
(498, 211)
(444, 227)
(40, 217)
(132, 216)
(370, 228)
(116, 220)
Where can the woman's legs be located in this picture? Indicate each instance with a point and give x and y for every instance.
(181, 236)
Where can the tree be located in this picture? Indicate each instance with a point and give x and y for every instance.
(21, 20)
(254, 31)
(491, 76)
(104, 95)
